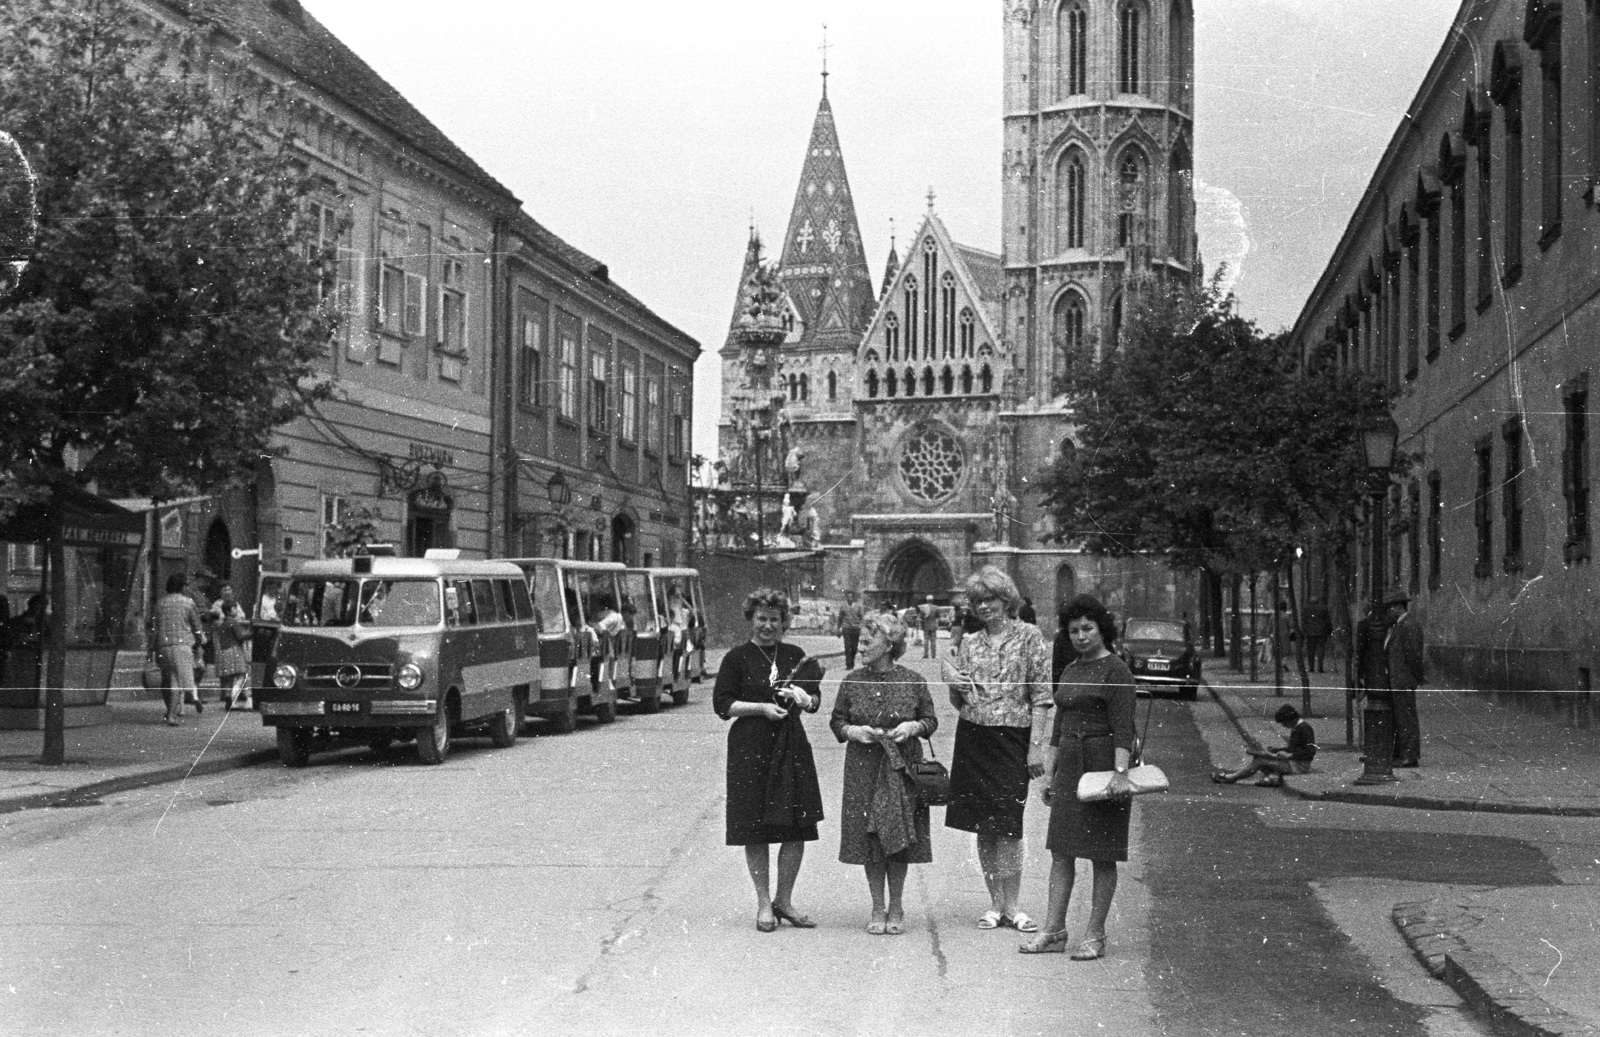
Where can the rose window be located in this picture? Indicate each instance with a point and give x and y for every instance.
(931, 465)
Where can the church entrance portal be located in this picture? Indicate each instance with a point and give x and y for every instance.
(914, 570)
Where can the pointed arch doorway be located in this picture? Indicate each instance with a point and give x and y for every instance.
(912, 571)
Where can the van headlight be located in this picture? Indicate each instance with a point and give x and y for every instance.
(284, 676)
(409, 677)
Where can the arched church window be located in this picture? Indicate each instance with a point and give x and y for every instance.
(911, 382)
(833, 386)
(1071, 190)
(1071, 318)
(805, 387)
(1178, 49)
(967, 331)
(794, 387)
(891, 337)
(927, 381)
(1131, 190)
(1072, 50)
(947, 315)
(947, 381)
(890, 382)
(985, 380)
(911, 318)
(872, 385)
(930, 316)
(931, 465)
(1130, 44)
(966, 379)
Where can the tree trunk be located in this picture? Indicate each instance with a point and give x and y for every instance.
(55, 643)
(1214, 604)
(1235, 659)
(1300, 648)
(1255, 673)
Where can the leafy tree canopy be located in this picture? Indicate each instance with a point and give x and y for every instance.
(1203, 438)
(170, 316)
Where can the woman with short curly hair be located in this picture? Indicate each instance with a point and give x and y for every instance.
(881, 711)
(763, 686)
(999, 680)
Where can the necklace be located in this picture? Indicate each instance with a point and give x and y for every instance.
(772, 674)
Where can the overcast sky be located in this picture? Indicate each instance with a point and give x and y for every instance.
(650, 134)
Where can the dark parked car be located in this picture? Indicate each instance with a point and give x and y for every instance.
(1161, 655)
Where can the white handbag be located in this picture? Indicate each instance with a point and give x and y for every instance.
(1095, 786)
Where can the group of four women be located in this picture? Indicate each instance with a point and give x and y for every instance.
(1000, 681)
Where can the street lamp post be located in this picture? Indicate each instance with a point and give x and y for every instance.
(1378, 437)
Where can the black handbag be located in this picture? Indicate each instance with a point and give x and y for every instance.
(932, 780)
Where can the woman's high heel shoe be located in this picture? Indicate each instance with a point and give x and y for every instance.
(1045, 943)
(765, 926)
(783, 914)
(1090, 949)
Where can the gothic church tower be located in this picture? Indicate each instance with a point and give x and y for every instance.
(1097, 186)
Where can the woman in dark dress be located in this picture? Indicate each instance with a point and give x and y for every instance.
(881, 711)
(1093, 732)
(999, 679)
(762, 686)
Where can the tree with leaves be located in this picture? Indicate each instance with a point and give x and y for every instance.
(1206, 441)
(170, 316)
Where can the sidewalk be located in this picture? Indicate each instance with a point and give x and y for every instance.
(1494, 947)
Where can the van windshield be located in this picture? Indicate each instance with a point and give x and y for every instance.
(369, 603)
(547, 606)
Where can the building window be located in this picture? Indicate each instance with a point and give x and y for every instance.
(1180, 189)
(968, 333)
(335, 510)
(599, 376)
(1129, 43)
(1485, 221)
(872, 385)
(535, 320)
(1432, 238)
(947, 315)
(794, 388)
(1179, 48)
(630, 404)
(1392, 332)
(1482, 516)
(1413, 309)
(1071, 320)
(1511, 494)
(927, 381)
(402, 297)
(1071, 188)
(1072, 58)
(966, 379)
(930, 316)
(567, 388)
(453, 300)
(652, 414)
(985, 380)
(910, 383)
(1575, 467)
(678, 444)
(947, 381)
(1131, 185)
(891, 337)
(891, 382)
(911, 318)
(833, 386)
(1435, 531)
(1414, 535)
(1458, 256)
(1546, 36)
(1506, 83)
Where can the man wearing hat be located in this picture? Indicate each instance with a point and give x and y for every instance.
(1403, 650)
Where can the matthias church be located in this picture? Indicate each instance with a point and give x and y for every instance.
(899, 421)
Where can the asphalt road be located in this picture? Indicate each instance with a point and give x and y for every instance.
(578, 884)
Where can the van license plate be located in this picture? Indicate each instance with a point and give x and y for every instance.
(344, 707)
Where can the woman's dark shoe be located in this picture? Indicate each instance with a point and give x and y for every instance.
(1090, 949)
(783, 914)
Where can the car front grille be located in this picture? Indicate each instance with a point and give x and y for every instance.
(369, 677)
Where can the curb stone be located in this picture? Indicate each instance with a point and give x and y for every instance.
(1434, 930)
(143, 779)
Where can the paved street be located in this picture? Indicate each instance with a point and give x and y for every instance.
(578, 884)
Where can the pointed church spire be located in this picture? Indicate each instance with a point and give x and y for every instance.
(891, 267)
(752, 259)
(824, 266)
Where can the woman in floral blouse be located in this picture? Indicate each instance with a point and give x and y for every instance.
(1000, 684)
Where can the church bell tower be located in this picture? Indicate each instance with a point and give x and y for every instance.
(1097, 190)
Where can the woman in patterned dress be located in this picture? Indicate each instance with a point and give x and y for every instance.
(881, 711)
(1093, 732)
(1000, 683)
(763, 685)
(231, 629)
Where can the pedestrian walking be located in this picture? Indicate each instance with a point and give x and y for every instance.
(1000, 683)
(880, 713)
(1318, 626)
(177, 634)
(1093, 731)
(928, 618)
(1403, 651)
(231, 628)
(763, 686)
(847, 625)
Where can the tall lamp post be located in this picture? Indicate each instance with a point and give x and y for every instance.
(1379, 434)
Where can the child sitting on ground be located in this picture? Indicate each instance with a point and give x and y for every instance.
(1272, 764)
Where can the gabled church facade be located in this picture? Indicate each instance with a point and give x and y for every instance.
(914, 421)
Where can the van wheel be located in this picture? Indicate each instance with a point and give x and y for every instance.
(605, 712)
(294, 746)
(680, 698)
(503, 728)
(566, 721)
(433, 743)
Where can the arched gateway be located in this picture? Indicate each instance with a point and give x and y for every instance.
(912, 571)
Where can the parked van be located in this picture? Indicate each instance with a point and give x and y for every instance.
(380, 649)
(682, 644)
(585, 654)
